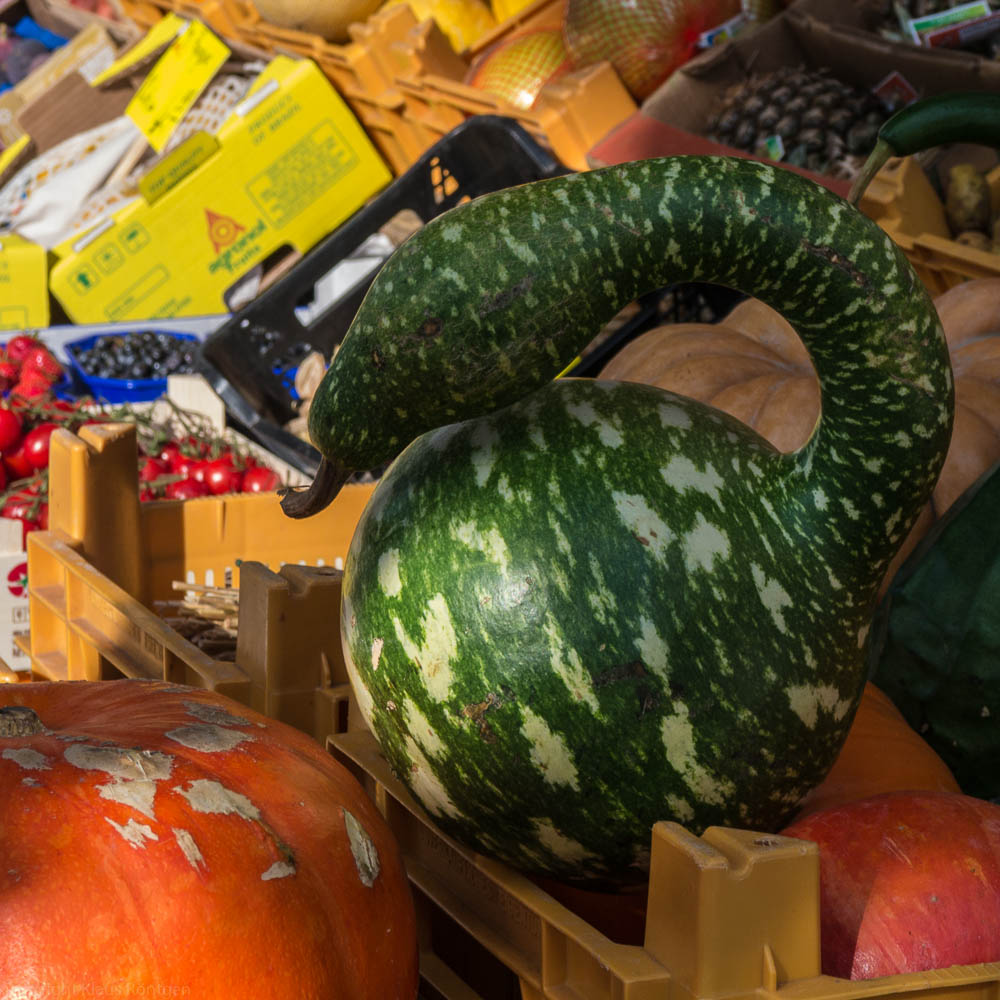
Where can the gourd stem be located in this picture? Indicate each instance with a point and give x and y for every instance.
(304, 501)
(877, 159)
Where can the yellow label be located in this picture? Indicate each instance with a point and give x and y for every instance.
(177, 164)
(12, 152)
(174, 83)
(162, 33)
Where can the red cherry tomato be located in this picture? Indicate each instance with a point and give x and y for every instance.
(198, 469)
(169, 453)
(10, 428)
(25, 506)
(153, 468)
(222, 477)
(36, 445)
(260, 479)
(16, 462)
(185, 489)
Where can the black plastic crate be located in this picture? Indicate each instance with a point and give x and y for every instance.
(250, 359)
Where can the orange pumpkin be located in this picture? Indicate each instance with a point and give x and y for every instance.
(753, 365)
(157, 837)
(882, 753)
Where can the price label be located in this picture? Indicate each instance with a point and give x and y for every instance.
(175, 82)
(160, 35)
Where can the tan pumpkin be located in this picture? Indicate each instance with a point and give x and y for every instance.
(753, 366)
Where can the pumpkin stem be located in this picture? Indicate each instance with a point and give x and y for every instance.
(19, 720)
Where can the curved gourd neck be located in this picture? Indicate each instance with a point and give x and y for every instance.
(872, 333)
(867, 322)
(492, 299)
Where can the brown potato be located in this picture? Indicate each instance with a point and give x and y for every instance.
(967, 199)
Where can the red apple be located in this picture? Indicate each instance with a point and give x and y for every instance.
(909, 881)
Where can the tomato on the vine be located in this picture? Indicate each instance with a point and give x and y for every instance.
(10, 428)
(260, 479)
(19, 347)
(169, 453)
(16, 462)
(36, 444)
(26, 505)
(223, 477)
(185, 489)
(153, 468)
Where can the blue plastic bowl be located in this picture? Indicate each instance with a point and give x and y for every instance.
(118, 390)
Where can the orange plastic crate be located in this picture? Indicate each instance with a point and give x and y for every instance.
(404, 82)
(93, 578)
(904, 203)
(731, 915)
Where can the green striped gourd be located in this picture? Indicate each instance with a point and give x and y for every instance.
(578, 609)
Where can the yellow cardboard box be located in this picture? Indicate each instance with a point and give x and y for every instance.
(24, 285)
(287, 167)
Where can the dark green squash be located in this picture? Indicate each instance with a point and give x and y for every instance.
(600, 605)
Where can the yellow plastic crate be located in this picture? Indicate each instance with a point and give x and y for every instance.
(903, 202)
(94, 576)
(731, 915)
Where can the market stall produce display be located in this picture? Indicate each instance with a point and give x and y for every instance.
(573, 609)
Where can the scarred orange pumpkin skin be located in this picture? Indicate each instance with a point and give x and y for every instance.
(157, 837)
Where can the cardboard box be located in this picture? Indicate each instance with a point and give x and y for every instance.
(287, 167)
(24, 293)
(842, 31)
(86, 53)
(813, 33)
(13, 595)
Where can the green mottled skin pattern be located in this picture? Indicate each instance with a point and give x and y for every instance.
(606, 605)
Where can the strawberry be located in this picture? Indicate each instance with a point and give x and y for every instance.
(9, 374)
(31, 385)
(40, 359)
(18, 347)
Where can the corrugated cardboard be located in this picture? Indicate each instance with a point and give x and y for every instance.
(812, 33)
(69, 107)
(287, 167)
(86, 53)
